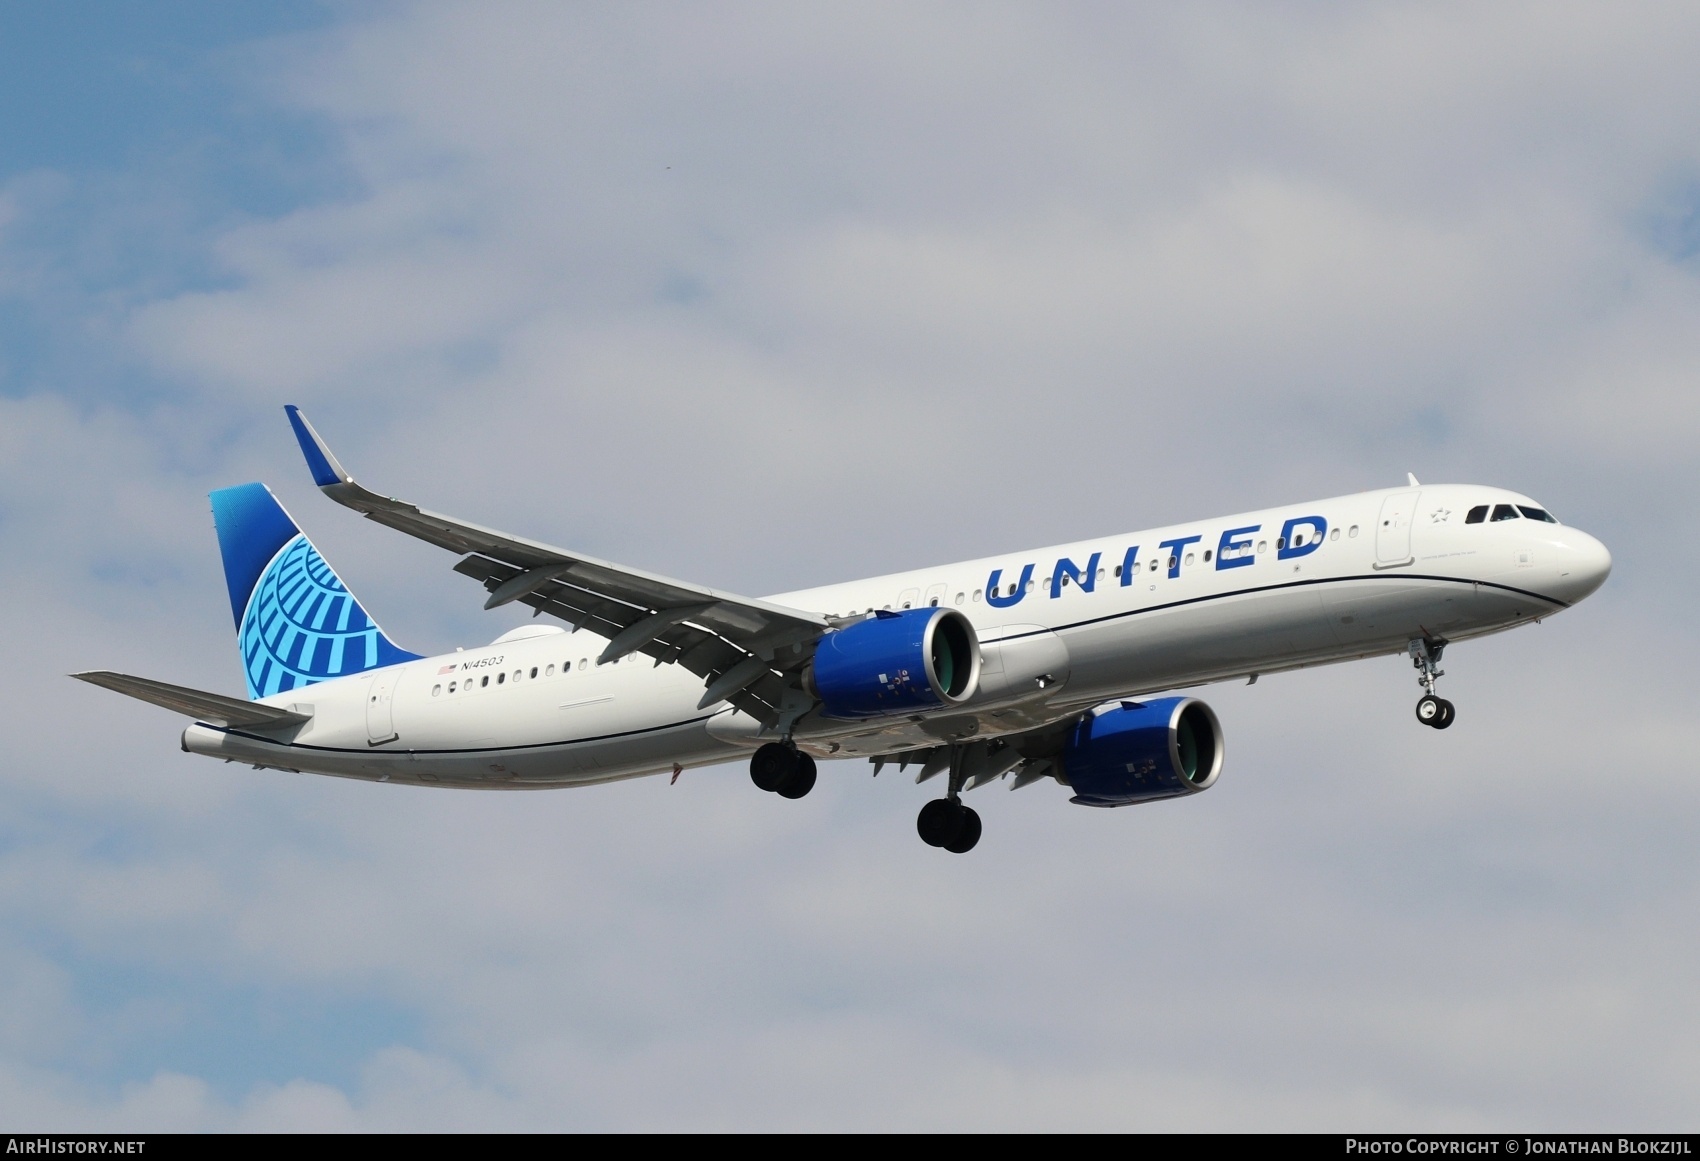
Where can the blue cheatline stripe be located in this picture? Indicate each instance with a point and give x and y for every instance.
(1327, 580)
(366, 750)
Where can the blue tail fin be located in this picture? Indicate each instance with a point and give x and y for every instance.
(296, 622)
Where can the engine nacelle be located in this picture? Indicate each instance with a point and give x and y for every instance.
(1143, 751)
(895, 663)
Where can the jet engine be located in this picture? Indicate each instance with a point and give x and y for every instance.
(1142, 751)
(896, 662)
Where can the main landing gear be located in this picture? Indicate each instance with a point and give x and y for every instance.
(783, 769)
(945, 822)
(1432, 711)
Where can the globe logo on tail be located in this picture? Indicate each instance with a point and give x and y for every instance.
(303, 626)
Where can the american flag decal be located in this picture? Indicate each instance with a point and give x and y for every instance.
(445, 669)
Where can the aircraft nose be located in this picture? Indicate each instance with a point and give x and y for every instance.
(1586, 564)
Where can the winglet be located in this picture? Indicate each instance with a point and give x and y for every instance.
(1412, 476)
(326, 471)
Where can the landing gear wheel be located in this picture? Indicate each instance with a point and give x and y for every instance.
(942, 822)
(771, 765)
(1431, 711)
(969, 835)
(801, 780)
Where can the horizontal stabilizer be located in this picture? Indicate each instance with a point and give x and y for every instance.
(212, 708)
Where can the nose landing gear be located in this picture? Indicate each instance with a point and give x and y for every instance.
(945, 822)
(783, 770)
(1433, 711)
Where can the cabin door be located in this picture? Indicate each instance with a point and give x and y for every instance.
(380, 706)
(1393, 533)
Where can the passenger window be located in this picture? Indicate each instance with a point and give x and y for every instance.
(534, 671)
(1353, 531)
(1477, 514)
(959, 597)
(451, 687)
(1504, 512)
(976, 595)
(518, 674)
(1262, 544)
(1334, 535)
(1207, 556)
(581, 662)
(1540, 514)
(435, 690)
(483, 681)
(1189, 560)
(1280, 542)
(500, 677)
(550, 671)
(1154, 563)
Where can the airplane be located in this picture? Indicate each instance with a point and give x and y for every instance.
(1058, 664)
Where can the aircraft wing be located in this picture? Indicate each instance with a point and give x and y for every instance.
(213, 708)
(741, 647)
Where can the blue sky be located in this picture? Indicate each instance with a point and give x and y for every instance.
(133, 131)
(106, 87)
(769, 296)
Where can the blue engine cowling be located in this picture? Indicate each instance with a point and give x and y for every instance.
(895, 663)
(1143, 751)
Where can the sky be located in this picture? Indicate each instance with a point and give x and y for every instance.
(768, 296)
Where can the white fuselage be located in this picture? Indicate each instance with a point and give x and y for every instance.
(1096, 620)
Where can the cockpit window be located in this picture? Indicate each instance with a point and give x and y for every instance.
(1477, 514)
(1537, 514)
(1504, 512)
